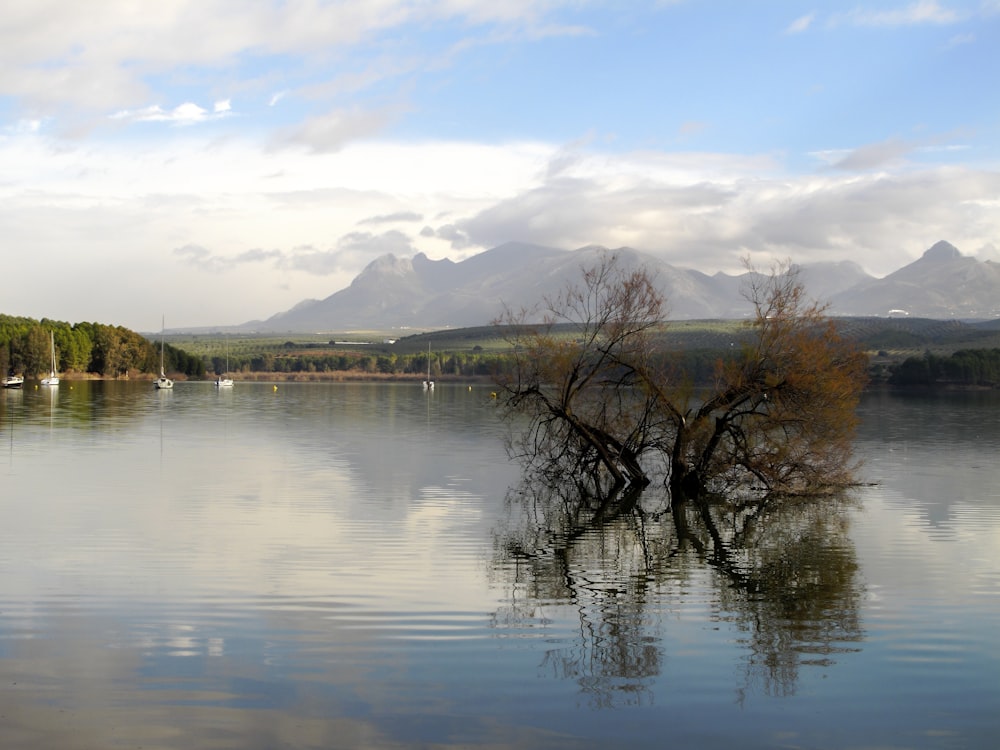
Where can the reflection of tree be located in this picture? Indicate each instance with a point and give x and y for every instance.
(783, 573)
(789, 576)
(592, 556)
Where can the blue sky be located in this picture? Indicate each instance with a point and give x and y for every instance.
(218, 161)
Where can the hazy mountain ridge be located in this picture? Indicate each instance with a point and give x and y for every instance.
(418, 292)
(942, 283)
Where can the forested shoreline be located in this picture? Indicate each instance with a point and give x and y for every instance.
(83, 349)
(96, 350)
(964, 368)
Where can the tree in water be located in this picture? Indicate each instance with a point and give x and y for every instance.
(604, 403)
(781, 413)
(575, 377)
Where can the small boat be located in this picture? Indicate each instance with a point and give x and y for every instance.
(428, 384)
(163, 383)
(224, 381)
(52, 379)
(13, 381)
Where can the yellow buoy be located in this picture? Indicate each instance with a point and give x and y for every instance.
(275, 387)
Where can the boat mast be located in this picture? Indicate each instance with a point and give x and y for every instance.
(428, 384)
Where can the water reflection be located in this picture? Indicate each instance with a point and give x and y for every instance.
(922, 431)
(783, 575)
(341, 566)
(792, 584)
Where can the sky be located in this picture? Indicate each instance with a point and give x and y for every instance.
(212, 162)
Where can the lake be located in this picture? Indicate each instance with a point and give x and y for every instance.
(360, 566)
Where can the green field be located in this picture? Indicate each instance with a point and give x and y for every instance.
(374, 342)
(886, 340)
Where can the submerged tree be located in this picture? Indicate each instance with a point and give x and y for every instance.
(781, 412)
(605, 404)
(575, 376)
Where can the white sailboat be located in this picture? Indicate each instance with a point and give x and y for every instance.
(52, 379)
(224, 381)
(428, 384)
(163, 383)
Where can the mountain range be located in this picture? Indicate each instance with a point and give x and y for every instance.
(421, 293)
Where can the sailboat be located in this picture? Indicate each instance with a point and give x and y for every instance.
(163, 382)
(52, 379)
(224, 381)
(428, 384)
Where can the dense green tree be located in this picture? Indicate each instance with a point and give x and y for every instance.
(966, 367)
(108, 356)
(106, 350)
(34, 350)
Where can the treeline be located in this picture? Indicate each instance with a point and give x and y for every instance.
(699, 366)
(109, 351)
(115, 351)
(974, 367)
(968, 367)
(458, 364)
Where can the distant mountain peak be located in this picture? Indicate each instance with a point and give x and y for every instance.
(388, 264)
(942, 251)
(420, 292)
(421, 259)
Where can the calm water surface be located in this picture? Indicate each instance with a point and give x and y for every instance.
(359, 566)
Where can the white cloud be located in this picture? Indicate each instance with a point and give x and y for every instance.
(890, 153)
(881, 221)
(187, 113)
(989, 252)
(692, 128)
(25, 126)
(353, 252)
(312, 175)
(102, 57)
(400, 216)
(800, 24)
(921, 12)
(331, 132)
(874, 155)
(960, 40)
(312, 240)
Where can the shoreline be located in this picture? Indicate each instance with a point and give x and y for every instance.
(372, 377)
(280, 377)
